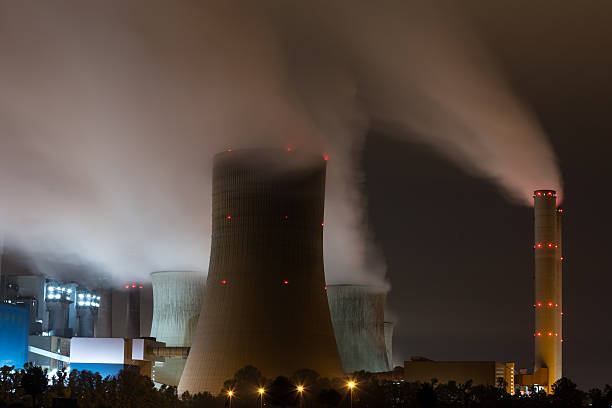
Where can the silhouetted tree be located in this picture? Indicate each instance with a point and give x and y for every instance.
(426, 396)
(34, 381)
(329, 398)
(566, 394)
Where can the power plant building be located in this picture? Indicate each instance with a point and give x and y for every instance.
(177, 301)
(358, 318)
(265, 302)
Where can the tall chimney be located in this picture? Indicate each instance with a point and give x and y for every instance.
(132, 315)
(548, 287)
(265, 303)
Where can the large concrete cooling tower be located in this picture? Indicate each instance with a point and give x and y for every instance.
(548, 303)
(265, 302)
(358, 317)
(177, 301)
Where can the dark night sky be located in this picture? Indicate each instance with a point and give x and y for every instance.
(459, 255)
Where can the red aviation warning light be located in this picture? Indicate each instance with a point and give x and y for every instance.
(286, 282)
(133, 286)
(223, 282)
(325, 157)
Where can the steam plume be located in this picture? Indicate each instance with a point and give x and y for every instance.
(110, 113)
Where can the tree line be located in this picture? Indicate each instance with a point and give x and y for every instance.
(32, 387)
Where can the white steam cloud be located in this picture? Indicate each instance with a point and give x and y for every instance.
(111, 111)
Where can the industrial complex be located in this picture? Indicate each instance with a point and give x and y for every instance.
(264, 302)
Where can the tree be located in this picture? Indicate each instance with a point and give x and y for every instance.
(426, 396)
(329, 397)
(34, 381)
(282, 392)
(566, 394)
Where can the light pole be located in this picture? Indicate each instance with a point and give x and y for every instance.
(300, 390)
(230, 394)
(261, 391)
(351, 385)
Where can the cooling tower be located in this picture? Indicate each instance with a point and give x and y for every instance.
(389, 326)
(265, 302)
(548, 286)
(132, 311)
(358, 317)
(177, 301)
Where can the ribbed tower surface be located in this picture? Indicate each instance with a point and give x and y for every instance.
(548, 302)
(358, 317)
(265, 302)
(177, 302)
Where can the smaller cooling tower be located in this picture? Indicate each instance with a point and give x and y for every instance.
(132, 315)
(177, 300)
(358, 317)
(389, 326)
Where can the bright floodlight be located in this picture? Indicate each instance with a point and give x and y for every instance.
(351, 384)
(261, 391)
(230, 393)
(300, 388)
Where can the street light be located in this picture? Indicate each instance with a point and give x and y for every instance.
(230, 394)
(351, 385)
(261, 391)
(300, 390)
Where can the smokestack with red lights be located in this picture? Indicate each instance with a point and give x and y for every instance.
(265, 302)
(548, 287)
(132, 315)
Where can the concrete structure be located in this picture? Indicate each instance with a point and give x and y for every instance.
(389, 326)
(14, 327)
(479, 372)
(49, 352)
(358, 318)
(104, 320)
(177, 301)
(54, 306)
(132, 311)
(265, 301)
(548, 304)
(108, 356)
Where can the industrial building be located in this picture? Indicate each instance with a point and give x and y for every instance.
(14, 326)
(108, 356)
(55, 308)
(358, 318)
(489, 373)
(265, 302)
(177, 301)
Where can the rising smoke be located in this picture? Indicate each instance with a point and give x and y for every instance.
(111, 111)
